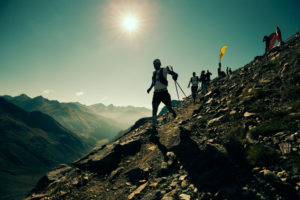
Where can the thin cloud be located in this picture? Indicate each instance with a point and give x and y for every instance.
(47, 91)
(104, 98)
(79, 93)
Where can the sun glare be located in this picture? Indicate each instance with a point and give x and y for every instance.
(130, 23)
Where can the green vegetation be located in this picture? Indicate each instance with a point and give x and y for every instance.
(293, 163)
(256, 107)
(274, 114)
(235, 133)
(268, 128)
(57, 188)
(291, 92)
(275, 121)
(261, 155)
(295, 105)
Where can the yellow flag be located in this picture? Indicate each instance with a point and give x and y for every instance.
(222, 51)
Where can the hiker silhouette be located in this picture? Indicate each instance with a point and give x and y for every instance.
(208, 74)
(220, 72)
(161, 94)
(194, 81)
(203, 80)
(267, 41)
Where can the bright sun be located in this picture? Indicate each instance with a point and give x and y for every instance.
(130, 23)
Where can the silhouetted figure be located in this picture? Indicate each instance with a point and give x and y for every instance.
(208, 74)
(227, 71)
(220, 72)
(161, 94)
(230, 71)
(203, 80)
(278, 35)
(195, 81)
(267, 45)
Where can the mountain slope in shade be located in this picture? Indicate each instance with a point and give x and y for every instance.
(126, 116)
(241, 140)
(165, 109)
(30, 144)
(76, 117)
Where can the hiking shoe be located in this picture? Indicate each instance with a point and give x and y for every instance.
(174, 115)
(154, 131)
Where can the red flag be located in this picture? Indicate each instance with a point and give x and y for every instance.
(273, 39)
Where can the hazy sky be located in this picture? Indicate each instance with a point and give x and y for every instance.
(76, 50)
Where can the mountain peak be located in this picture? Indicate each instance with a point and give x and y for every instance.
(23, 97)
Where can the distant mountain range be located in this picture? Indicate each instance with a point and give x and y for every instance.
(125, 116)
(30, 144)
(74, 116)
(38, 134)
(95, 123)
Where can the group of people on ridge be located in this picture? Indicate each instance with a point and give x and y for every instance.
(195, 80)
(160, 82)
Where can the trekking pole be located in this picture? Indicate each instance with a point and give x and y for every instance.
(176, 90)
(176, 83)
(180, 88)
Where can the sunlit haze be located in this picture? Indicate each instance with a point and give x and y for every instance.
(130, 23)
(102, 51)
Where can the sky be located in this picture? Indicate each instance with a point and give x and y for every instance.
(79, 51)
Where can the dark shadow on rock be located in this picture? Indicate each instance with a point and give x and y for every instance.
(208, 168)
(155, 140)
(137, 174)
(171, 166)
(107, 159)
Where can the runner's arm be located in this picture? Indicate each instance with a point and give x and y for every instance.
(150, 88)
(174, 74)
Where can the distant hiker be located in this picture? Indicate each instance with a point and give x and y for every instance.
(278, 35)
(195, 81)
(272, 38)
(226, 70)
(220, 72)
(267, 45)
(203, 80)
(161, 94)
(208, 74)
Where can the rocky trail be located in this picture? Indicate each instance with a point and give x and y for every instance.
(241, 140)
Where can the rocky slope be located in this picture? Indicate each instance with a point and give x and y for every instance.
(31, 143)
(240, 141)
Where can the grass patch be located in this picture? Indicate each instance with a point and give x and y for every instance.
(261, 155)
(236, 133)
(291, 92)
(256, 107)
(260, 93)
(274, 114)
(293, 163)
(57, 188)
(274, 122)
(268, 128)
(295, 105)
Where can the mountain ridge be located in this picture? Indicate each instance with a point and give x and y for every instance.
(74, 116)
(241, 140)
(31, 143)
